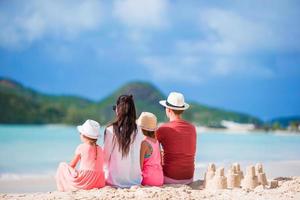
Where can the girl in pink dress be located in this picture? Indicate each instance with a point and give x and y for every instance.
(150, 158)
(90, 173)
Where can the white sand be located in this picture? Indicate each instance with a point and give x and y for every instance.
(46, 183)
(288, 189)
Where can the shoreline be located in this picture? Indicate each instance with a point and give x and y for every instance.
(289, 188)
(200, 129)
(208, 130)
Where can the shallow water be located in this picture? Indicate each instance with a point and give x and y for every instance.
(29, 150)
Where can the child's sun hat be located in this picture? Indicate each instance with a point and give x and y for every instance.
(147, 121)
(90, 129)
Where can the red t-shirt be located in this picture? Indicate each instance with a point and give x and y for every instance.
(178, 139)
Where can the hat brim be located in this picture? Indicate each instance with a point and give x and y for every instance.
(164, 103)
(145, 128)
(81, 130)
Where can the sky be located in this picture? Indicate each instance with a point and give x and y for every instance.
(237, 55)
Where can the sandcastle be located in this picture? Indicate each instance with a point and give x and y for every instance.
(262, 179)
(211, 169)
(219, 181)
(233, 178)
(255, 176)
(250, 180)
(238, 170)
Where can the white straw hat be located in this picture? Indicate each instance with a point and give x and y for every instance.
(90, 129)
(175, 101)
(147, 121)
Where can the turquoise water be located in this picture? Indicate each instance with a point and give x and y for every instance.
(39, 149)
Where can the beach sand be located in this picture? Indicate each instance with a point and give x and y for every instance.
(46, 183)
(289, 188)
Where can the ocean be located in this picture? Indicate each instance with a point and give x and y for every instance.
(36, 150)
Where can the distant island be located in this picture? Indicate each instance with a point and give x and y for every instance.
(22, 105)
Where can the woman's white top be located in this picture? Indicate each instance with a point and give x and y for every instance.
(126, 171)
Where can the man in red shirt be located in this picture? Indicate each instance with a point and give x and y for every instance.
(178, 140)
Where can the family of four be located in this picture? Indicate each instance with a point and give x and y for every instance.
(132, 153)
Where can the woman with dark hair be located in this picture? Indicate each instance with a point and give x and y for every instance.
(122, 144)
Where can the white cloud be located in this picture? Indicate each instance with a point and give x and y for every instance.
(145, 14)
(227, 32)
(205, 41)
(172, 69)
(230, 45)
(222, 62)
(226, 67)
(34, 19)
(141, 20)
(232, 31)
(197, 70)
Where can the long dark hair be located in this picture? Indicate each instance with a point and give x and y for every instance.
(124, 124)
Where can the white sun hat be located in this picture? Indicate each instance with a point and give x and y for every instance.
(147, 121)
(90, 129)
(175, 101)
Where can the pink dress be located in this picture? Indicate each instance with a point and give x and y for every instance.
(152, 170)
(90, 174)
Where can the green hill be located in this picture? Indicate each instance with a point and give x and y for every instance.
(19, 104)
